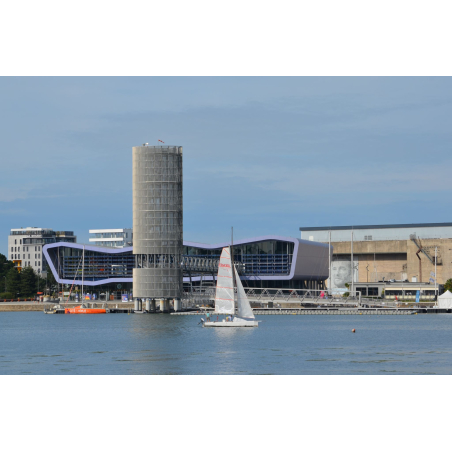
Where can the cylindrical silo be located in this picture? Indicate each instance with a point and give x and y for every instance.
(157, 221)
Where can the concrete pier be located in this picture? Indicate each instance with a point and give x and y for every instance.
(148, 304)
(177, 305)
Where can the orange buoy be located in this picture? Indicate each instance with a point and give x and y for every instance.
(353, 330)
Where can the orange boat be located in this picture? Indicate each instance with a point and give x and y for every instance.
(84, 310)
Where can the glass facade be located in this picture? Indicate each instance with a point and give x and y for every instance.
(266, 258)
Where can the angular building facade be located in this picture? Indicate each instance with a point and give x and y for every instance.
(157, 221)
(268, 262)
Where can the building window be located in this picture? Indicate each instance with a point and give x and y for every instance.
(12, 249)
(15, 242)
(39, 248)
(21, 241)
(367, 237)
(28, 256)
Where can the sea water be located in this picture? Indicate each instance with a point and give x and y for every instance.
(35, 343)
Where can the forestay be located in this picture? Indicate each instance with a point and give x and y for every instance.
(224, 295)
(243, 305)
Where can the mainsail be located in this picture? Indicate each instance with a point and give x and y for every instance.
(243, 305)
(224, 296)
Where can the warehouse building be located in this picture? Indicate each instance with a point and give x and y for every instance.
(383, 253)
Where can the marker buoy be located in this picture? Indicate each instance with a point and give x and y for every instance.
(353, 330)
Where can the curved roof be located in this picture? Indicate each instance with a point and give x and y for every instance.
(309, 261)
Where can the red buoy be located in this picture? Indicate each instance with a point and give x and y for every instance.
(353, 330)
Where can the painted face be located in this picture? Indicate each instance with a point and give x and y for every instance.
(341, 274)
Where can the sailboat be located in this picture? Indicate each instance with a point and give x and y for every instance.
(225, 302)
(82, 309)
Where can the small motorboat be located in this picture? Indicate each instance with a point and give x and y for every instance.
(82, 309)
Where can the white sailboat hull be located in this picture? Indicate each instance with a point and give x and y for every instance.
(237, 322)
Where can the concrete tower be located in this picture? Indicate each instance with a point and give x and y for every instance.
(157, 224)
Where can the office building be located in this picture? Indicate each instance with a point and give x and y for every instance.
(271, 262)
(114, 238)
(25, 246)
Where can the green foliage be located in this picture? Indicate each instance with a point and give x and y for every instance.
(5, 267)
(28, 282)
(13, 282)
(346, 294)
(6, 296)
(448, 285)
(50, 280)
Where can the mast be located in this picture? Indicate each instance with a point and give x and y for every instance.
(329, 263)
(353, 271)
(436, 293)
(83, 268)
(232, 264)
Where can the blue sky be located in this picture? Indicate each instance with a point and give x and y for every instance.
(265, 155)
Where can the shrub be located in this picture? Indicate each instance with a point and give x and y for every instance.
(6, 295)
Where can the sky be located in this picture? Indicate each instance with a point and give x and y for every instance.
(265, 155)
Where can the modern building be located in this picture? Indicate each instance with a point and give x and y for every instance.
(25, 245)
(271, 262)
(157, 222)
(114, 238)
(397, 252)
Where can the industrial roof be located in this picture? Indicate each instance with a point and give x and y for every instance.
(378, 226)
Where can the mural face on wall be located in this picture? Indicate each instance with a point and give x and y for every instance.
(341, 273)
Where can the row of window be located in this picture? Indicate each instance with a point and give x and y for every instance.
(15, 249)
(28, 264)
(17, 256)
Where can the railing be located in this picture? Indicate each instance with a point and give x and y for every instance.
(265, 296)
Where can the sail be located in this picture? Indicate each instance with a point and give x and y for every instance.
(224, 295)
(243, 305)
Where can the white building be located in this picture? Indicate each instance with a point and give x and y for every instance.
(25, 246)
(114, 238)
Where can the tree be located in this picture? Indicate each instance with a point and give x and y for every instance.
(13, 282)
(5, 266)
(28, 281)
(448, 285)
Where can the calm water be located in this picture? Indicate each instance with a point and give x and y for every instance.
(34, 343)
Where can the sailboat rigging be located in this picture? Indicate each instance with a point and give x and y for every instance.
(225, 300)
